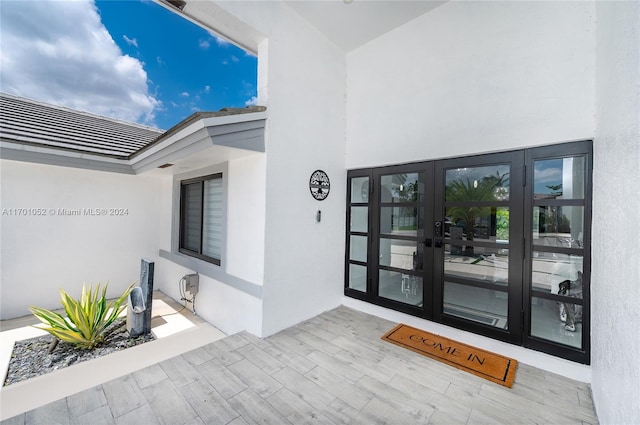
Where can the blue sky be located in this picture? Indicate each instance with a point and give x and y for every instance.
(132, 60)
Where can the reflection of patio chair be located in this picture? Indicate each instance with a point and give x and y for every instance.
(409, 285)
(417, 261)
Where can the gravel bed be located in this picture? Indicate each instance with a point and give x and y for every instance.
(30, 357)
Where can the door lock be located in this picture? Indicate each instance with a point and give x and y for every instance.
(438, 228)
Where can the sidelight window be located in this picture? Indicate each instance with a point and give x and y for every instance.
(560, 247)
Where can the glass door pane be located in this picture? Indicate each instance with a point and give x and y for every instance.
(482, 305)
(401, 237)
(477, 245)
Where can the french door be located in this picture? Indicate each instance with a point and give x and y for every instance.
(466, 242)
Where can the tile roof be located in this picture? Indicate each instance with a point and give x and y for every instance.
(35, 123)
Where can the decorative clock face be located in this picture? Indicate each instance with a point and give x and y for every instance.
(319, 185)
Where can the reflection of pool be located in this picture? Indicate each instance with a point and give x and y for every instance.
(492, 268)
(562, 240)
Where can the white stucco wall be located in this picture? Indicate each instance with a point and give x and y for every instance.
(43, 253)
(472, 77)
(304, 260)
(221, 304)
(245, 218)
(305, 74)
(615, 287)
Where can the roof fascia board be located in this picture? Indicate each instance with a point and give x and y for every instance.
(214, 125)
(252, 140)
(163, 143)
(214, 18)
(54, 157)
(245, 131)
(184, 147)
(233, 119)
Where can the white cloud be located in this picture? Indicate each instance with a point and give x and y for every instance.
(78, 66)
(221, 41)
(235, 59)
(548, 175)
(130, 41)
(251, 102)
(206, 43)
(207, 89)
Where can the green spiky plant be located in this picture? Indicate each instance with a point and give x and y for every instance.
(88, 318)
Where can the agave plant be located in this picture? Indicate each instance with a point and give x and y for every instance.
(87, 318)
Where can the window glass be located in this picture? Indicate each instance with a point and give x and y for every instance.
(359, 219)
(486, 306)
(401, 254)
(402, 188)
(467, 184)
(212, 219)
(558, 226)
(560, 178)
(477, 223)
(201, 221)
(557, 321)
(191, 213)
(358, 277)
(557, 273)
(358, 248)
(487, 264)
(405, 221)
(360, 189)
(403, 287)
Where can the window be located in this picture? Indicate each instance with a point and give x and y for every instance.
(201, 218)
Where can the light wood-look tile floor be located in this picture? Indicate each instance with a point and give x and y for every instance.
(332, 369)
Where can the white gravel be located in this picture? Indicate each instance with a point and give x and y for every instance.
(30, 357)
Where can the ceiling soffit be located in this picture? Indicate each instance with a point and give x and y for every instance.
(351, 25)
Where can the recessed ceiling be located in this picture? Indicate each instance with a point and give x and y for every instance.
(353, 24)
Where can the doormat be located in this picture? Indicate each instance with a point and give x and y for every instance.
(482, 363)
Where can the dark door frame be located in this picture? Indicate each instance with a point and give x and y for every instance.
(521, 202)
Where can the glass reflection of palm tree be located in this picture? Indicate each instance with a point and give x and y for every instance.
(490, 188)
(407, 192)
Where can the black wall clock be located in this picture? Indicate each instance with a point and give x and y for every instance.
(319, 185)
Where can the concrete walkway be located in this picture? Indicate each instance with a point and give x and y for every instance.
(331, 369)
